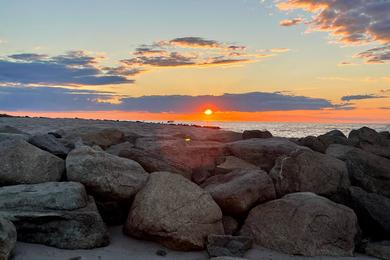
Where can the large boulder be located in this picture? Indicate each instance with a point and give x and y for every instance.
(249, 134)
(58, 214)
(11, 130)
(313, 143)
(104, 137)
(333, 137)
(7, 239)
(230, 163)
(371, 141)
(263, 152)
(187, 153)
(379, 249)
(105, 176)
(373, 212)
(50, 144)
(309, 171)
(237, 192)
(303, 224)
(22, 162)
(339, 151)
(150, 161)
(9, 136)
(175, 212)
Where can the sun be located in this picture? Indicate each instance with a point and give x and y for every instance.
(208, 112)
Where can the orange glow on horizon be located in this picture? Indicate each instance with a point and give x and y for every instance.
(317, 116)
(208, 112)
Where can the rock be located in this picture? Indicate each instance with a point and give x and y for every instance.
(379, 249)
(190, 154)
(22, 162)
(161, 252)
(364, 135)
(7, 239)
(50, 144)
(230, 225)
(104, 137)
(333, 137)
(228, 258)
(174, 212)
(7, 136)
(369, 171)
(226, 245)
(380, 150)
(58, 214)
(339, 151)
(313, 143)
(231, 163)
(303, 224)
(200, 175)
(372, 211)
(263, 152)
(249, 134)
(105, 176)
(385, 134)
(237, 192)
(151, 162)
(309, 171)
(223, 136)
(11, 130)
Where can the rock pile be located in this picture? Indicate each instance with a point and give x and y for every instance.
(195, 189)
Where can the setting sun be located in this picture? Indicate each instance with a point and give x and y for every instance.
(208, 112)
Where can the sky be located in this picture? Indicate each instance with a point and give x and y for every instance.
(246, 60)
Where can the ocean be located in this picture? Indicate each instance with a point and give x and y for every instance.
(288, 129)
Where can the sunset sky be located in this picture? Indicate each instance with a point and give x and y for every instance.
(255, 60)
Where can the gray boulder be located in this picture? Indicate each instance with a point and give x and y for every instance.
(237, 192)
(50, 144)
(11, 130)
(226, 245)
(339, 151)
(313, 143)
(333, 137)
(372, 211)
(249, 134)
(7, 239)
(8, 136)
(104, 137)
(150, 161)
(371, 141)
(385, 134)
(175, 212)
(231, 163)
(263, 152)
(303, 224)
(309, 171)
(22, 162)
(58, 214)
(105, 176)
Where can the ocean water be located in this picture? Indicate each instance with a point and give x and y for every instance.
(287, 129)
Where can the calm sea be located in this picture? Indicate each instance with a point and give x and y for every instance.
(290, 129)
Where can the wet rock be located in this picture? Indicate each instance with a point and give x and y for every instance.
(226, 245)
(310, 225)
(263, 152)
(174, 212)
(22, 162)
(58, 214)
(237, 192)
(309, 171)
(7, 239)
(249, 134)
(50, 144)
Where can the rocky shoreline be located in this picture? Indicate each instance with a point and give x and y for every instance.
(64, 182)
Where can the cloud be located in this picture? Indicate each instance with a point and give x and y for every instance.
(346, 63)
(349, 22)
(193, 42)
(291, 22)
(165, 54)
(63, 99)
(376, 55)
(72, 68)
(360, 97)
